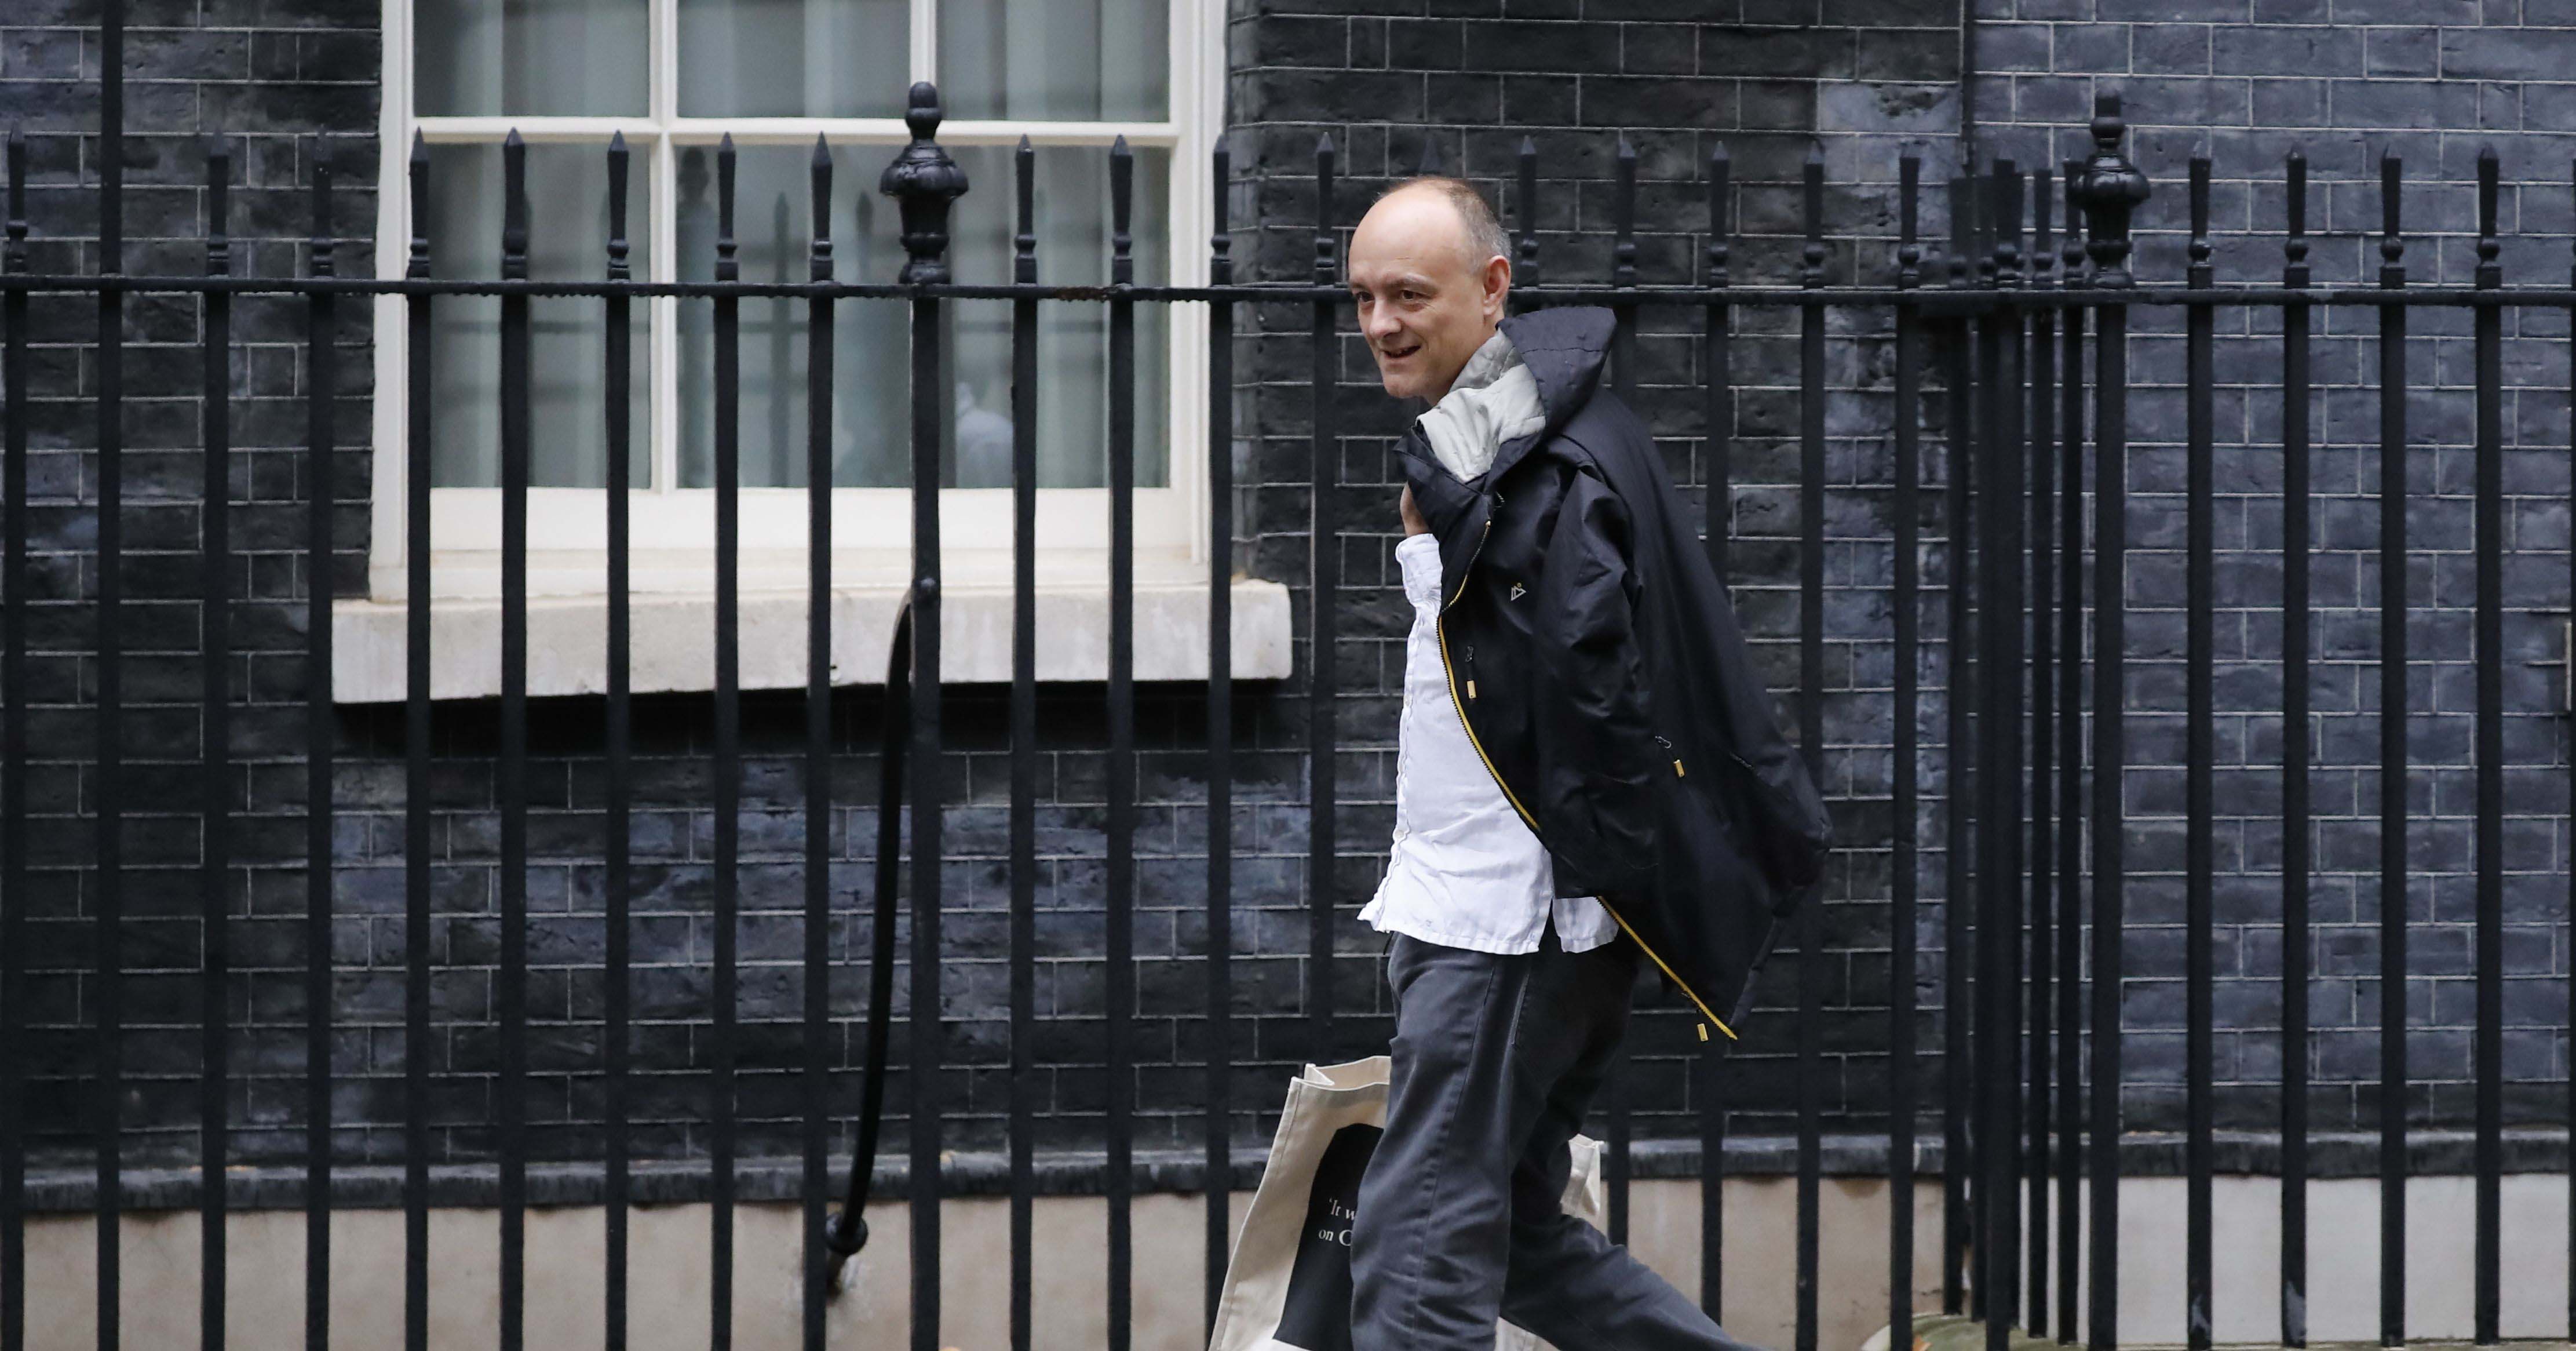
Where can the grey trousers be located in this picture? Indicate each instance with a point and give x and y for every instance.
(1495, 1060)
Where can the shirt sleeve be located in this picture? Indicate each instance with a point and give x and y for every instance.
(1419, 556)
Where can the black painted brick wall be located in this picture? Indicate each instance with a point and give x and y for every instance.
(2245, 82)
(1769, 80)
(278, 79)
(290, 87)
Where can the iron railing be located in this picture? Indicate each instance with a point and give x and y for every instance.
(2011, 319)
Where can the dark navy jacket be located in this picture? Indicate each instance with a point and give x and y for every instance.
(1598, 666)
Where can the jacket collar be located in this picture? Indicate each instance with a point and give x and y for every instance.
(1564, 350)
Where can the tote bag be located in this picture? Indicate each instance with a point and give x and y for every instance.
(1288, 1286)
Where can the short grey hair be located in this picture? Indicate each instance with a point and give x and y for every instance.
(1485, 238)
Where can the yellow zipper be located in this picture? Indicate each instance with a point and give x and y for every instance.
(1440, 630)
(1676, 980)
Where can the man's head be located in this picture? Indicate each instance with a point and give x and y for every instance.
(1429, 273)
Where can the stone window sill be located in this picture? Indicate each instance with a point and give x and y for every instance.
(673, 626)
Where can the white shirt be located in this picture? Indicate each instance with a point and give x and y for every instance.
(1466, 872)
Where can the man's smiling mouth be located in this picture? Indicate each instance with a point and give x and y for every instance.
(1398, 353)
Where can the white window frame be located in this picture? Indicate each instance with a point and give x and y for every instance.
(673, 527)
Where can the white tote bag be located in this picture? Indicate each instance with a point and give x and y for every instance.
(1288, 1285)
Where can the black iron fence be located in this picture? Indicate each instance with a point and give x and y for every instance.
(2015, 336)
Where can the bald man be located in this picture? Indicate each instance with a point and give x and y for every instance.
(1590, 783)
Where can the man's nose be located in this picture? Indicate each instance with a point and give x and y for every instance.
(1376, 324)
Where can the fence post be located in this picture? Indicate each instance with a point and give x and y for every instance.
(417, 407)
(1120, 901)
(214, 695)
(2294, 764)
(13, 763)
(725, 751)
(1809, 920)
(510, 986)
(617, 738)
(923, 180)
(817, 1028)
(2070, 781)
(1707, 1088)
(322, 391)
(2000, 814)
(2487, 1067)
(1024, 735)
(1220, 734)
(1903, 830)
(1958, 1225)
(2040, 368)
(2200, 590)
(2112, 189)
(1623, 371)
(1324, 580)
(2392, 760)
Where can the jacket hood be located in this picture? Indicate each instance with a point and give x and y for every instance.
(1564, 350)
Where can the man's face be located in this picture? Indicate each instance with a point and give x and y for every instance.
(1425, 304)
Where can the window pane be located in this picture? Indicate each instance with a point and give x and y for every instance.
(1059, 60)
(794, 58)
(538, 58)
(567, 389)
(773, 231)
(1073, 337)
(871, 399)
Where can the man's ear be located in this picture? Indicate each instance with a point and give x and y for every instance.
(1496, 283)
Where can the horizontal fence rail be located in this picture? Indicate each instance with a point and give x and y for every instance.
(2010, 343)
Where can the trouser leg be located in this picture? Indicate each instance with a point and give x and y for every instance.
(1567, 1281)
(1432, 1238)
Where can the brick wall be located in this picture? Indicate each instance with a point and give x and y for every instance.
(289, 84)
(1860, 78)
(2244, 82)
(289, 87)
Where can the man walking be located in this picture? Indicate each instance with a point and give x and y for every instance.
(1589, 780)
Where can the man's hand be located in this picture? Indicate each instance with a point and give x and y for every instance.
(1413, 522)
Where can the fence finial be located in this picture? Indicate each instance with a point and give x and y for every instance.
(923, 180)
(1024, 243)
(1720, 169)
(2003, 221)
(1325, 247)
(417, 265)
(1525, 251)
(2490, 272)
(1623, 214)
(2071, 256)
(2113, 188)
(514, 206)
(2294, 247)
(17, 220)
(1430, 161)
(322, 242)
(1909, 250)
(1221, 236)
(819, 172)
(219, 177)
(1122, 194)
(2392, 237)
(1812, 195)
(619, 251)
